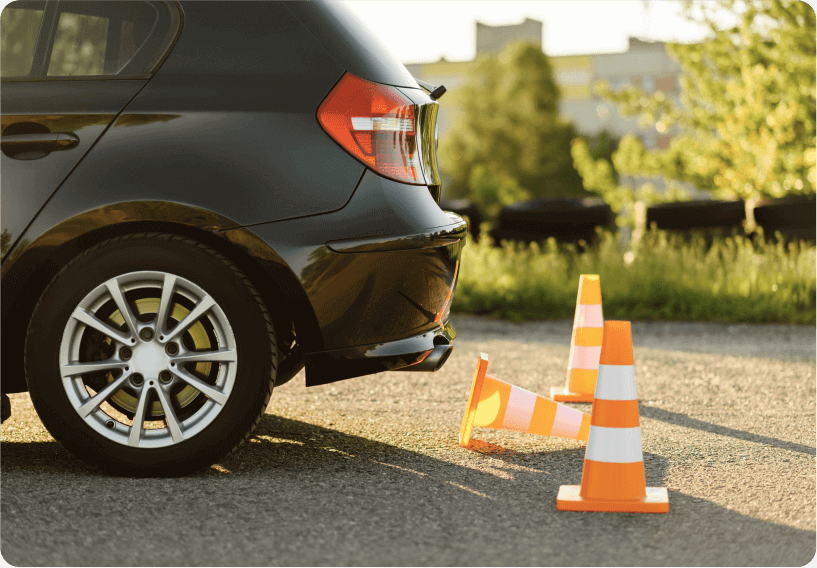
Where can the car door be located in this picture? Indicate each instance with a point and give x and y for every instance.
(68, 69)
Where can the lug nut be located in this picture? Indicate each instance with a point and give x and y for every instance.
(172, 348)
(137, 379)
(125, 353)
(147, 334)
(165, 376)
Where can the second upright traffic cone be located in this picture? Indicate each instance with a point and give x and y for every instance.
(585, 344)
(497, 404)
(613, 476)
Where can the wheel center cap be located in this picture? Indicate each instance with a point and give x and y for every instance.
(149, 359)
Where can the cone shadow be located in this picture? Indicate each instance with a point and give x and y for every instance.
(679, 419)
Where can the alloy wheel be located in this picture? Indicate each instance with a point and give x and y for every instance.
(148, 359)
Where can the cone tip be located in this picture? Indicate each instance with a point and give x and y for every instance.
(617, 344)
(589, 289)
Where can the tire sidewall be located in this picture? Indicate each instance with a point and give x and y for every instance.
(255, 344)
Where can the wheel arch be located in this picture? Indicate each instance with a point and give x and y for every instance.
(28, 270)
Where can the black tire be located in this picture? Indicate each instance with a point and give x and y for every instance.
(250, 323)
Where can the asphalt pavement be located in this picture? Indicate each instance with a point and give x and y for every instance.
(368, 471)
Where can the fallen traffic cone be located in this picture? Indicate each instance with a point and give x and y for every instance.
(497, 404)
(585, 344)
(613, 475)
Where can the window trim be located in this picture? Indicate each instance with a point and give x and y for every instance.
(48, 31)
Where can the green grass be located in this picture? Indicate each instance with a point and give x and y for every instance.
(736, 279)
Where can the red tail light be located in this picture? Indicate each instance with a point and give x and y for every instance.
(375, 123)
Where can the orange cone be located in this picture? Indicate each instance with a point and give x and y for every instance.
(497, 404)
(613, 475)
(585, 344)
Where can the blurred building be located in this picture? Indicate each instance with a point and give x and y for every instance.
(646, 64)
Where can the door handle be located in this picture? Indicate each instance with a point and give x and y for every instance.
(51, 140)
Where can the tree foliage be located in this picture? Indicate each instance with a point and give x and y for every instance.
(746, 122)
(492, 191)
(510, 127)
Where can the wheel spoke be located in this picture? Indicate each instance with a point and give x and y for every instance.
(201, 308)
(92, 321)
(73, 369)
(222, 355)
(170, 417)
(139, 418)
(119, 299)
(102, 396)
(164, 303)
(207, 390)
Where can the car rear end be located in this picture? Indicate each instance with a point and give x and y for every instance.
(383, 281)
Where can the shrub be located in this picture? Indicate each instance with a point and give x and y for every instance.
(733, 279)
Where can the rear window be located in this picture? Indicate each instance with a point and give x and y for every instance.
(70, 39)
(19, 24)
(99, 38)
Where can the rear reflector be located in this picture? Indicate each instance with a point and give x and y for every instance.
(375, 123)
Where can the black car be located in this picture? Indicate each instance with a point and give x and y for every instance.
(198, 200)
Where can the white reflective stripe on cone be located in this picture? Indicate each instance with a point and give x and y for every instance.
(614, 445)
(519, 410)
(567, 422)
(585, 357)
(588, 315)
(616, 382)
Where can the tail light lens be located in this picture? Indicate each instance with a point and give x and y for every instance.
(375, 123)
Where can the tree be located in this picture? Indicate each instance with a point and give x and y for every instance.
(491, 191)
(746, 121)
(510, 126)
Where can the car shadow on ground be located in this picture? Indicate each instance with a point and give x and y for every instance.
(497, 509)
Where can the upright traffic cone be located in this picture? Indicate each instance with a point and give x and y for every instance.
(497, 404)
(613, 475)
(585, 344)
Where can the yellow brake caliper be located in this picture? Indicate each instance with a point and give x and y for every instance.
(200, 339)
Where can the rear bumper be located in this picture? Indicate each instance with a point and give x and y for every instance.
(424, 352)
(378, 277)
(376, 271)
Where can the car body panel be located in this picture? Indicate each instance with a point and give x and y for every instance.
(352, 44)
(249, 130)
(82, 108)
(348, 290)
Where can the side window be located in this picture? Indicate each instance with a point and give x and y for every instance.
(19, 25)
(99, 38)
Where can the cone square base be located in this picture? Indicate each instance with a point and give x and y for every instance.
(561, 394)
(656, 501)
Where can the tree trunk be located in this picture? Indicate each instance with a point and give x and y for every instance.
(750, 225)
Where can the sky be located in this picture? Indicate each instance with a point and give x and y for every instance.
(421, 31)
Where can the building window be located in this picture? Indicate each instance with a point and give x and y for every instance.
(665, 84)
(573, 77)
(615, 82)
(663, 141)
